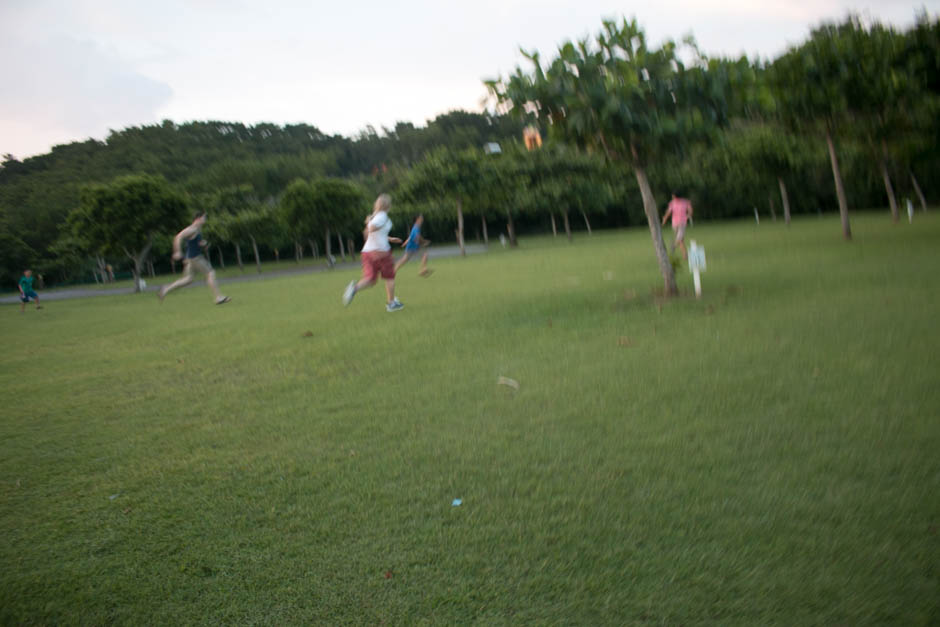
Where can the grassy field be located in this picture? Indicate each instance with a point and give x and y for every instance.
(768, 454)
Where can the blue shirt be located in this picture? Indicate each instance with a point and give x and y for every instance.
(414, 238)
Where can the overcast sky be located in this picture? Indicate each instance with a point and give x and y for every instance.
(73, 69)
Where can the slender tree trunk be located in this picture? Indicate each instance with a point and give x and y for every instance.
(567, 224)
(277, 255)
(238, 257)
(587, 223)
(785, 200)
(351, 248)
(342, 249)
(102, 269)
(315, 249)
(138, 263)
(463, 251)
(511, 229)
(840, 190)
(889, 189)
(773, 210)
(652, 216)
(329, 248)
(136, 275)
(486, 236)
(297, 251)
(254, 246)
(920, 194)
(150, 268)
(554, 228)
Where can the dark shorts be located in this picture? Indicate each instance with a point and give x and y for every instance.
(27, 295)
(378, 263)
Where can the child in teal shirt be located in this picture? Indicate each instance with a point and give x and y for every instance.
(26, 290)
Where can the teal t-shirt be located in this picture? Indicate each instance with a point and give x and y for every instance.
(26, 284)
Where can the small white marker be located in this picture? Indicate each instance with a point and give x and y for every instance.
(696, 265)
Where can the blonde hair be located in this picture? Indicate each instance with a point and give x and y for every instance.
(382, 203)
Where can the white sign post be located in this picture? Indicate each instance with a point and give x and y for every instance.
(910, 211)
(697, 265)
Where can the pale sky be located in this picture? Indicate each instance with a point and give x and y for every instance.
(74, 69)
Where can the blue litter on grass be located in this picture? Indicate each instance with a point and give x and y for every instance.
(456, 503)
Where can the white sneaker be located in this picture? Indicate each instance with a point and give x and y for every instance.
(395, 305)
(349, 293)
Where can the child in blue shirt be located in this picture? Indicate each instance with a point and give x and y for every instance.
(414, 243)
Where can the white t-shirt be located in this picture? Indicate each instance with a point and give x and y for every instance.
(378, 239)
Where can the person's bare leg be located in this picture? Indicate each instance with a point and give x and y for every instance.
(184, 280)
(365, 283)
(22, 306)
(685, 254)
(210, 279)
(38, 306)
(404, 259)
(389, 290)
(424, 265)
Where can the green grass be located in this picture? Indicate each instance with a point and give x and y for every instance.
(231, 270)
(768, 454)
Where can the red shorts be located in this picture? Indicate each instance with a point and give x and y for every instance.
(378, 262)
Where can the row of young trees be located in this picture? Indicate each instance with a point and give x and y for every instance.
(641, 106)
(625, 121)
(203, 162)
(127, 218)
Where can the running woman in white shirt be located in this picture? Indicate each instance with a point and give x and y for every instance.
(377, 255)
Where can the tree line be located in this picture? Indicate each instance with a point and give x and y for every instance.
(846, 119)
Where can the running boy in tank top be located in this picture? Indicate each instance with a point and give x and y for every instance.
(194, 260)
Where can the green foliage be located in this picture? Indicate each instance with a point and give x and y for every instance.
(340, 205)
(616, 95)
(15, 255)
(121, 218)
(310, 209)
(298, 208)
(556, 179)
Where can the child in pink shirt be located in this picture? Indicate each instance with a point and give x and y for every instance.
(681, 210)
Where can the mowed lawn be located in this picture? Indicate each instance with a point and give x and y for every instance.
(768, 454)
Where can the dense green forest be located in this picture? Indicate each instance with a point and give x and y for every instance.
(847, 120)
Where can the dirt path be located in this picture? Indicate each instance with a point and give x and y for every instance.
(79, 292)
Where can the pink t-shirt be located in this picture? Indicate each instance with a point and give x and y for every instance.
(680, 211)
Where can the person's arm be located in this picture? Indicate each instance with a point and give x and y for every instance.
(19, 284)
(178, 240)
(667, 214)
(395, 240)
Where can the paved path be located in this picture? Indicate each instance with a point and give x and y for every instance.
(250, 275)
